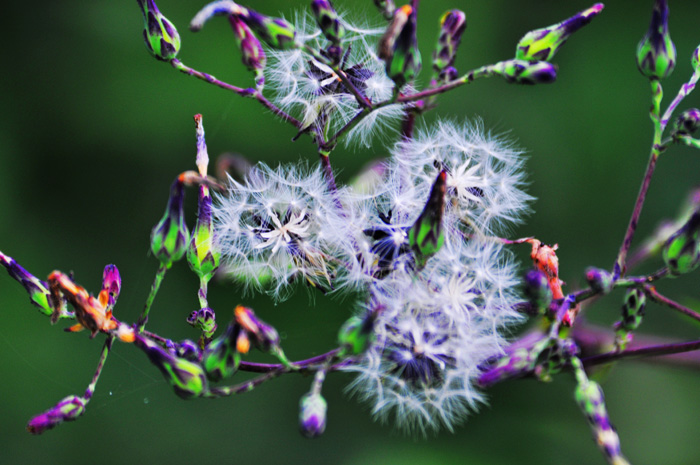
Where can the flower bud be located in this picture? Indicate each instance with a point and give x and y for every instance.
(590, 399)
(426, 236)
(632, 313)
(452, 25)
(187, 378)
(68, 409)
(205, 320)
(695, 59)
(398, 47)
(599, 280)
(203, 255)
(264, 336)
(386, 7)
(312, 415)
(161, 37)
(188, 350)
(537, 291)
(37, 289)
(542, 44)
(221, 357)
(253, 55)
(686, 123)
(170, 237)
(327, 19)
(681, 252)
(276, 32)
(656, 53)
(526, 72)
(111, 286)
(357, 333)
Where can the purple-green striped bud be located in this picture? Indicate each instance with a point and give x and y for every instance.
(398, 47)
(452, 26)
(542, 44)
(695, 59)
(252, 53)
(656, 53)
(186, 378)
(681, 252)
(170, 237)
(686, 123)
(537, 291)
(386, 7)
(357, 333)
(426, 236)
(590, 399)
(221, 356)
(189, 350)
(632, 314)
(599, 280)
(68, 409)
(312, 415)
(37, 289)
(526, 72)
(275, 32)
(205, 320)
(327, 19)
(203, 255)
(159, 34)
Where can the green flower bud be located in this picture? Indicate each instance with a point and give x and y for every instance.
(187, 378)
(203, 255)
(681, 252)
(205, 320)
(276, 32)
(357, 333)
(68, 409)
(170, 237)
(656, 53)
(542, 44)
(398, 47)
(632, 314)
(526, 72)
(426, 236)
(452, 25)
(312, 415)
(695, 59)
(686, 123)
(327, 19)
(37, 289)
(222, 357)
(161, 37)
(536, 289)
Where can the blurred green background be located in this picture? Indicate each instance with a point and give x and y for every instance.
(93, 130)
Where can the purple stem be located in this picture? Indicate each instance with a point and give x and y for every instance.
(249, 92)
(304, 366)
(654, 295)
(103, 357)
(650, 351)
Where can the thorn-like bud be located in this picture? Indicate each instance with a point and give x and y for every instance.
(452, 25)
(686, 123)
(252, 53)
(161, 37)
(312, 415)
(205, 320)
(187, 378)
(537, 291)
(37, 289)
(275, 32)
(426, 235)
(656, 53)
(222, 357)
(170, 237)
(386, 7)
(590, 399)
(327, 19)
(632, 314)
(526, 72)
(542, 44)
(599, 280)
(357, 333)
(398, 47)
(68, 409)
(682, 250)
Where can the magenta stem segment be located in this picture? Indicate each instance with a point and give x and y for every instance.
(648, 351)
(654, 295)
(100, 365)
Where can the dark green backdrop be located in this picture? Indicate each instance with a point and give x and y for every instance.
(93, 130)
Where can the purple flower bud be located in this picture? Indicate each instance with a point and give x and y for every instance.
(37, 289)
(536, 289)
(599, 280)
(526, 72)
(264, 336)
(170, 237)
(253, 55)
(686, 123)
(111, 284)
(312, 415)
(161, 38)
(656, 53)
(327, 19)
(68, 409)
(452, 26)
